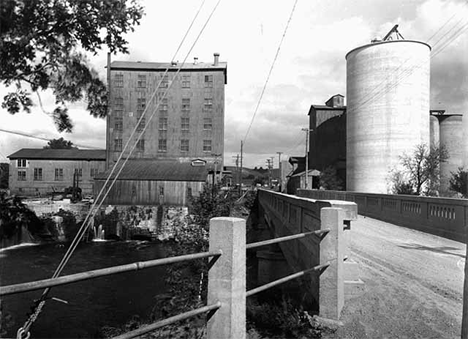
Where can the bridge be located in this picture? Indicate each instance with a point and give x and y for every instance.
(376, 278)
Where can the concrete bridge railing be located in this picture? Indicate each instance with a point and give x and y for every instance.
(444, 217)
(287, 214)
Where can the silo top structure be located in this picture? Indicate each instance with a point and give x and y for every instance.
(388, 109)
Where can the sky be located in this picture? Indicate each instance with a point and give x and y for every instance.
(309, 69)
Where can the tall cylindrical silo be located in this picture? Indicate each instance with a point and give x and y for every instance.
(387, 109)
(451, 134)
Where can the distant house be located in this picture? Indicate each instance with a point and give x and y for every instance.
(178, 116)
(37, 171)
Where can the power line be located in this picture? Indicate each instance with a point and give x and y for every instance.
(97, 205)
(26, 135)
(271, 69)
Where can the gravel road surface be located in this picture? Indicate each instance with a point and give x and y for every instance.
(413, 284)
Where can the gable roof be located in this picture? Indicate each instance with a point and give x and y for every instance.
(58, 154)
(160, 170)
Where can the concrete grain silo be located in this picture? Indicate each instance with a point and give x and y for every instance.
(434, 132)
(451, 134)
(387, 109)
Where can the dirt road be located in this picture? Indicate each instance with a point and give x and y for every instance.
(413, 284)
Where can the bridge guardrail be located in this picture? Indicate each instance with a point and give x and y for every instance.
(226, 305)
(445, 217)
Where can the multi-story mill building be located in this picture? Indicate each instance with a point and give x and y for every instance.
(178, 113)
(187, 122)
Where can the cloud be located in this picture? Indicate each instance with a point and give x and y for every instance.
(310, 67)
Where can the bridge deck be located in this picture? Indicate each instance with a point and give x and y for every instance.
(413, 284)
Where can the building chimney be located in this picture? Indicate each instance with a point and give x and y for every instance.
(195, 60)
(216, 59)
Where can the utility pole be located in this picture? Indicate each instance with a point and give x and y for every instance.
(237, 167)
(280, 170)
(215, 179)
(269, 171)
(241, 167)
(307, 130)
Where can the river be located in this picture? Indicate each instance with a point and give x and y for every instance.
(92, 304)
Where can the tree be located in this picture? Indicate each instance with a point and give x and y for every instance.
(4, 173)
(59, 144)
(459, 182)
(420, 171)
(42, 45)
(329, 180)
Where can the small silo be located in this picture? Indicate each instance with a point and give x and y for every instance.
(387, 109)
(434, 132)
(451, 136)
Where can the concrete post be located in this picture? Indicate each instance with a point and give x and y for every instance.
(227, 279)
(331, 287)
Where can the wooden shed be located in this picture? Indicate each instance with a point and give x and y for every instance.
(153, 182)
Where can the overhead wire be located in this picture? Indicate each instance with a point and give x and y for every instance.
(93, 208)
(116, 165)
(385, 86)
(270, 71)
(41, 138)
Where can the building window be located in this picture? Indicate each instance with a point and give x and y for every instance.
(163, 106)
(161, 190)
(140, 146)
(21, 163)
(37, 174)
(184, 145)
(207, 123)
(141, 104)
(59, 174)
(118, 80)
(141, 83)
(119, 106)
(164, 81)
(163, 124)
(94, 172)
(118, 145)
(118, 124)
(208, 81)
(184, 124)
(186, 105)
(186, 81)
(162, 145)
(206, 145)
(208, 105)
(141, 125)
(21, 175)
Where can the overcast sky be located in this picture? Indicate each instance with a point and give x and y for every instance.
(310, 68)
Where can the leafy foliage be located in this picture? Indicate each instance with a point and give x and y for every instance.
(41, 44)
(329, 180)
(4, 173)
(459, 182)
(212, 202)
(59, 144)
(14, 214)
(420, 171)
